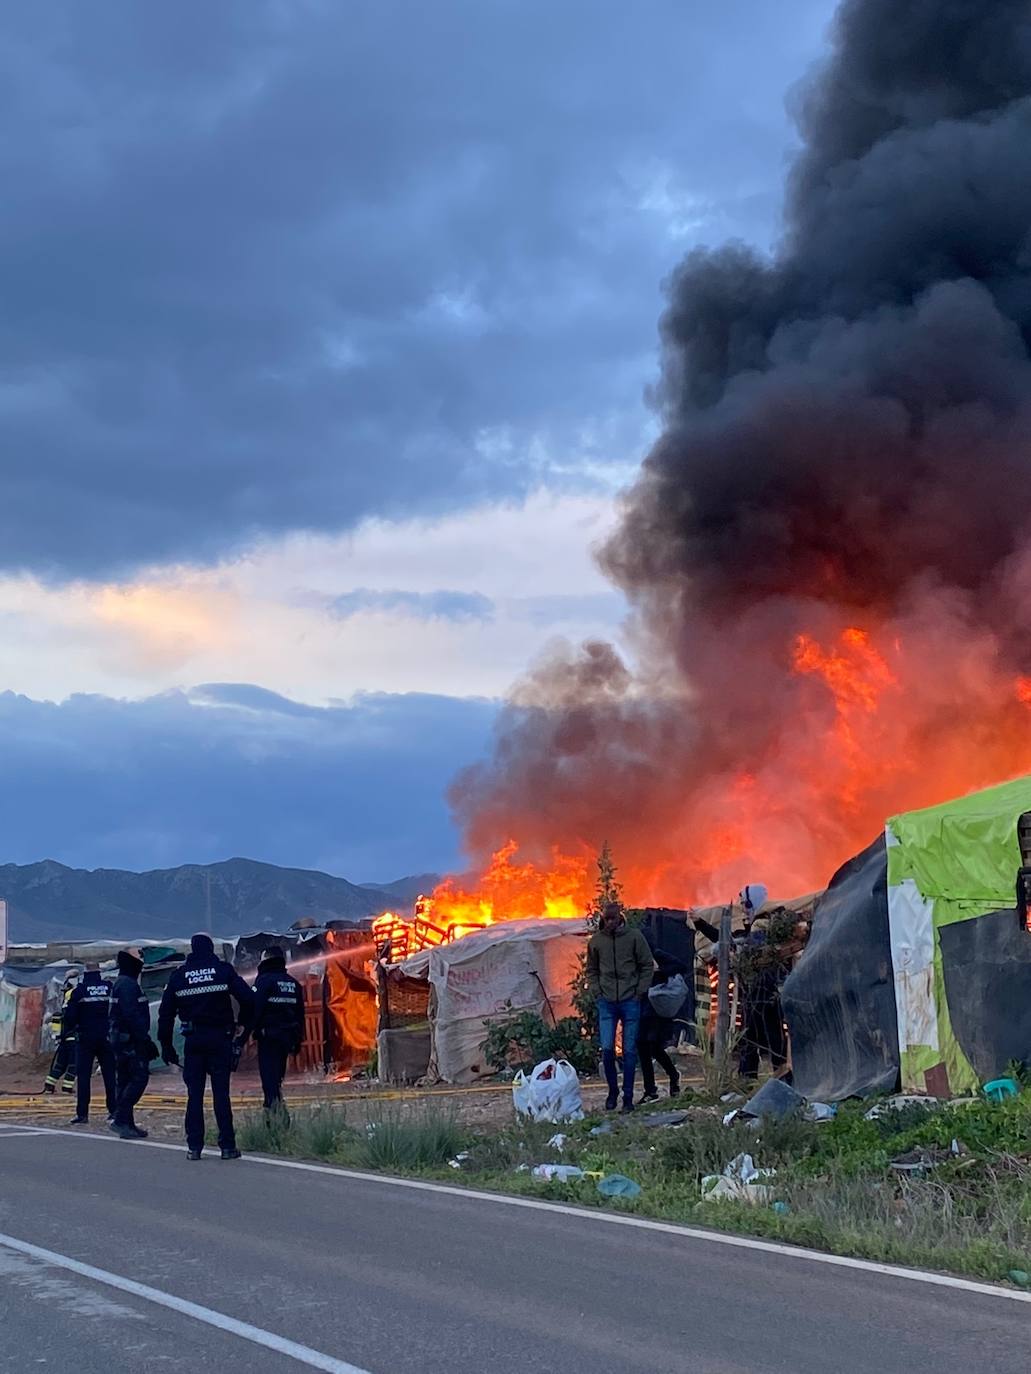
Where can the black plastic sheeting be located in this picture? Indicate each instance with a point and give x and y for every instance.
(839, 1001)
(987, 967)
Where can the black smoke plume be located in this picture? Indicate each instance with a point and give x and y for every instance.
(846, 442)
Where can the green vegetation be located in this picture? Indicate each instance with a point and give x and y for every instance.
(520, 1040)
(968, 1212)
(395, 1140)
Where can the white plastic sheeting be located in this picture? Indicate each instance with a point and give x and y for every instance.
(911, 932)
(525, 965)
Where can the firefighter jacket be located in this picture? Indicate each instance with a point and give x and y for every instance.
(58, 1024)
(200, 992)
(278, 1004)
(88, 1008)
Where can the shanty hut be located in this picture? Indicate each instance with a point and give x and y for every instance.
(511, 966)
(919, 966)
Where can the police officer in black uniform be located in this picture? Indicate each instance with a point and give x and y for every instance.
(86, 1015)
(201, 994)
(129, 1029)
(278, 1024)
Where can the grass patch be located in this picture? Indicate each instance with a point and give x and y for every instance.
(410, 1141)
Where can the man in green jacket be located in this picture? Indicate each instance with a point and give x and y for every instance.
(619, 970)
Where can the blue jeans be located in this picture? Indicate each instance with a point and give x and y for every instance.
(609, 1014)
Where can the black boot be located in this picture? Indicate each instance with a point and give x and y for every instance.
(674, 1085)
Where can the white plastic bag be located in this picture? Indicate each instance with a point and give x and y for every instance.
(667, 998)
(551, 1093)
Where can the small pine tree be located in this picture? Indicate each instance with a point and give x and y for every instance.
(606, 889)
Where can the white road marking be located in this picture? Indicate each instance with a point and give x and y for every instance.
(769, 1247)
(6, 1132)
(314, 1359)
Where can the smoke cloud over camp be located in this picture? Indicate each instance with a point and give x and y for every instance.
(827, 551)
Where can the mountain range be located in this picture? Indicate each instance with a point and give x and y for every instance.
(48, 901)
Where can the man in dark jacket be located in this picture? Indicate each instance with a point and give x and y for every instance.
(278, 1024)
(129, 1029)
(656, 1032)
(87, 1015)
(201, 994)
(619, 972)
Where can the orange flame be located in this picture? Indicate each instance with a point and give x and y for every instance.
(509, 891)
(878, 720)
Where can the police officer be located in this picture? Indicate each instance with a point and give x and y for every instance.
(200, 992)
(129, 1030)
(62, 1066)
(87, 1016)
(278, 1024)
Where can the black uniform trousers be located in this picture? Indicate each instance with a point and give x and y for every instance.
(208, 1053)
(132, 1072)
(94, 1048)
(273, 1052)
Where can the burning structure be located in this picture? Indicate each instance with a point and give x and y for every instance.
(826, 554)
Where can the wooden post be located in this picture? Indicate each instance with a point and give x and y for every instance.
(723, 992)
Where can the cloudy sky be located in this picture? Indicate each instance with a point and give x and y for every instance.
(327, 332)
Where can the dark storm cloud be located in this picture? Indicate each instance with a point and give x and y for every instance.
(234, 769)
(269, 266)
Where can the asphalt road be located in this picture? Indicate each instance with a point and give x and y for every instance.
(374, 1277)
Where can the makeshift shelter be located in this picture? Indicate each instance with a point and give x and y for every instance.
(919, 965)
(29, 997)
(333, 964)
(512, 966)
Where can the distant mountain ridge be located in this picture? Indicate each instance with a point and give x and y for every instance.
(49, 901)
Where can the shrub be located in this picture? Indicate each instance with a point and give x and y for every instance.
(410, 1140)
(522, 1039)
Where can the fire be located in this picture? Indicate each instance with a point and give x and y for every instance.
(508, 890)
(869, 720)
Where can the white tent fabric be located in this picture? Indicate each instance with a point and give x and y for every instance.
(522, 965)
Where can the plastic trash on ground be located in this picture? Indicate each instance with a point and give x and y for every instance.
(999, 1089)
(821, 1111)
(618, 1185)
(458, 1160)
(558, 1141)
(897, 1103)
(740, 1181)
(605, 1128)
(664, 1119)
(776, 1100)
(565, 1173)
(551, 1093)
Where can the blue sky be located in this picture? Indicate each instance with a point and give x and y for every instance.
(327, 338)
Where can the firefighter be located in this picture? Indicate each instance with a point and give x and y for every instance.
(278, 1025)
(129, 1029)
(201, 992)
(62, 1066)
(87, 1016)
